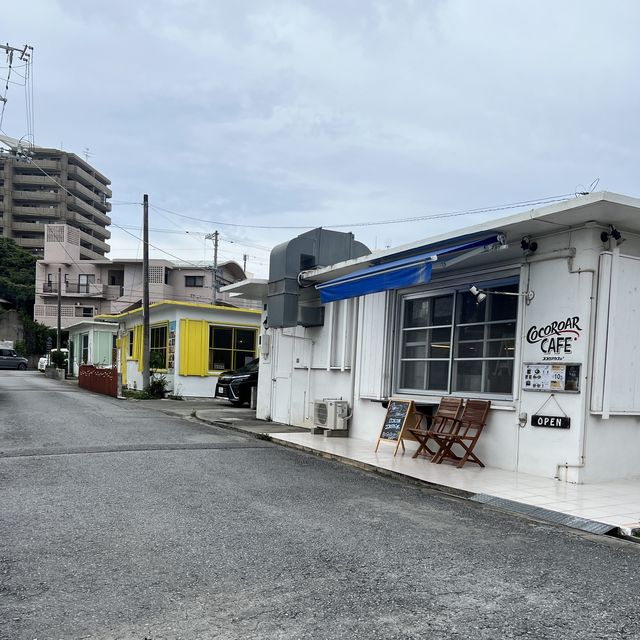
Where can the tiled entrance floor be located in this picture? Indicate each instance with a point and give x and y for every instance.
(614, 503)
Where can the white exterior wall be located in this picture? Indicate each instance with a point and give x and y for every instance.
(559, 295)
(298, 369)
(560, 274)
(612, 442)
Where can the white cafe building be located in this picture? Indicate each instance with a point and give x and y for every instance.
(538, 312)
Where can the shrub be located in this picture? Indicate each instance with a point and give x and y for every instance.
(157, 386)
(58, 359)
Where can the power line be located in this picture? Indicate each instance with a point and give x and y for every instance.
(437, 216)
(154, 246)
(202, 235)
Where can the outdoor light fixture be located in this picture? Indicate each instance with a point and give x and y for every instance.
(481, 295)
(528, 245)
(612, 233)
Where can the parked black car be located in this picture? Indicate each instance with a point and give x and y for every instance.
(236, 386)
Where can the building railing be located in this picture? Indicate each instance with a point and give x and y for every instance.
(85, 289)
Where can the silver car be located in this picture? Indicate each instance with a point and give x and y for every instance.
(9, 359)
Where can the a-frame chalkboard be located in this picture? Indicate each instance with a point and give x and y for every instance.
(401, 415)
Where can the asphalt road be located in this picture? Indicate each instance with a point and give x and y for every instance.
(118, 521)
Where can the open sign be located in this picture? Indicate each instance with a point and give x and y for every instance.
(553, 422)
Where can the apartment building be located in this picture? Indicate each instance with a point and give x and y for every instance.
(103, 286)
(40, 186)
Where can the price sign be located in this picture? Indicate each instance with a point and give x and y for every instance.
(560, 377)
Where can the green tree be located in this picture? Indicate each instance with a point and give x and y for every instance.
(18, 287)
(18, 275)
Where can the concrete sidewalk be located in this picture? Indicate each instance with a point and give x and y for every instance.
(608, 507)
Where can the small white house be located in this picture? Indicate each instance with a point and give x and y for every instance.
(538, 312)
(92, 342)
(191, 344)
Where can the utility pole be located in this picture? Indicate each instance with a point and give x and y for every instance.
(214, 236)
(24, 55)
(244, 264)
(146, 331)
(59, 326)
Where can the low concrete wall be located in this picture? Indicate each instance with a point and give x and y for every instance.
(100, 380)
(56, 374)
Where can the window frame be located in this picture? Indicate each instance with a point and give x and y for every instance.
(165, 348)
(195, 278)
(84, 348)
(456, 289)
(233, 349)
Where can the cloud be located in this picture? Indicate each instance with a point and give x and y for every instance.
(276, 113)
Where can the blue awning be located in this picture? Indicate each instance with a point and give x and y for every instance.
(396, 274)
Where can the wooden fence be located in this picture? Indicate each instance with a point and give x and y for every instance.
(98, 379)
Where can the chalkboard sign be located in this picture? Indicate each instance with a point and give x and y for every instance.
(400, 415)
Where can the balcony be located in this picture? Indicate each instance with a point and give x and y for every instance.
(87, 194)
(37, 196)
(76, 289)
(114, 291)
(47, 314)
(41, 211)
(47, 165)
(80, 206)
(25, 178)
(92, 290)
(86, 178)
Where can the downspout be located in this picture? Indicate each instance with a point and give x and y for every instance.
(307, 392)
(354, 350)
(587, 375)
(522, 419)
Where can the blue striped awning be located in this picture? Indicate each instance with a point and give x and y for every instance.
(396, 274)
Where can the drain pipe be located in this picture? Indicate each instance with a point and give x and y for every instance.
(587, 374)
(354, 350)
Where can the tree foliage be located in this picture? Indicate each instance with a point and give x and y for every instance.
(17, 275)
(18, 287)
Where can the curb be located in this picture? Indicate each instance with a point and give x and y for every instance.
(225, 424)
(364, 466)
(401, 477)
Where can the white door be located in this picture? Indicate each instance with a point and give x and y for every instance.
(281, 378)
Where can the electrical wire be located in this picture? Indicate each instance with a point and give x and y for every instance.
(437, 216)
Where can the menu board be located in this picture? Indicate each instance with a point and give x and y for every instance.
(559, 376)
(400, 413)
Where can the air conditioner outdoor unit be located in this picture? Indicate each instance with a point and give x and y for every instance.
(331, 414)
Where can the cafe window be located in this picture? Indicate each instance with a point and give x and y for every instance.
(130, 343)
(230, 347)
(158, 347)
(451, 344)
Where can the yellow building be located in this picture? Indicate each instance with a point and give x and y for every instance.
(190, 344)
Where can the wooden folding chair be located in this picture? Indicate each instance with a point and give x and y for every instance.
(463, 431)
(448, 408)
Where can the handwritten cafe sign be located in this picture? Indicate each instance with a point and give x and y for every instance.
(556, 338)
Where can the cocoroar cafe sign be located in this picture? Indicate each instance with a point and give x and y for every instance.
(555, 339)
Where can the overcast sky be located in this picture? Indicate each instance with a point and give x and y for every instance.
(313, 113)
